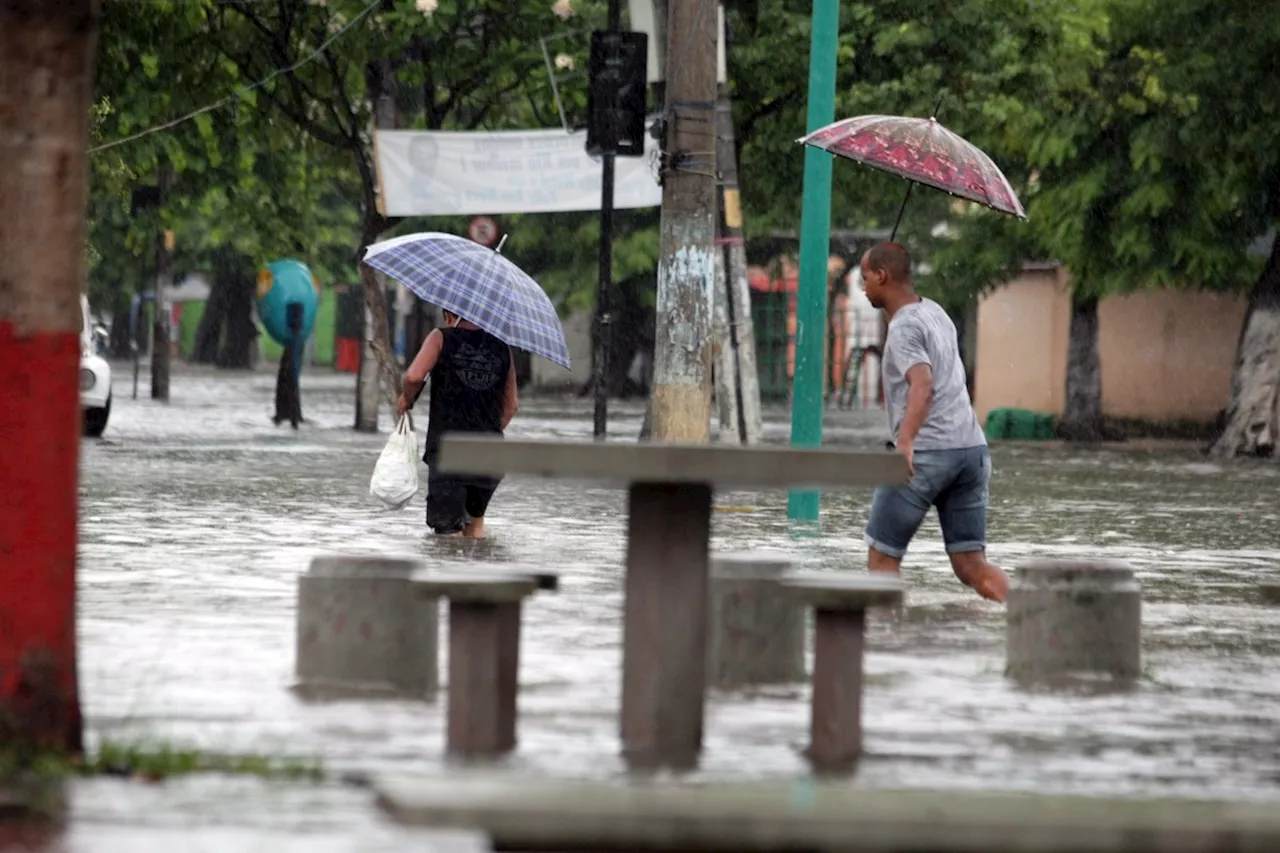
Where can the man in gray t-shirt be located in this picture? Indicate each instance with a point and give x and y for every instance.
(933, 426)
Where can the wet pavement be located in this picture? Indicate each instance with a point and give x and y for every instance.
(197, 518)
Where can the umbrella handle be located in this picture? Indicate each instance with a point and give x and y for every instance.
(501, 243)
(910, 186)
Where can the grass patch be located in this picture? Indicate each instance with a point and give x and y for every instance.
(155, 763)
(161, 762)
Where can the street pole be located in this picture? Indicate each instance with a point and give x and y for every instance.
(742, 332)
(46, 86)
(604, 287)
(686, 264)
(815, 245)
(161, 350)
(726, 359)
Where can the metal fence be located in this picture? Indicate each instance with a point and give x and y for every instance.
(854, 336)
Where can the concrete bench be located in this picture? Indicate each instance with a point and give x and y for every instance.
(484, 653)
(522, 813)
(668, 546)
(839, 602)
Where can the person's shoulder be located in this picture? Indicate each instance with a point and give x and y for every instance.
(910, 317)
(933, 309)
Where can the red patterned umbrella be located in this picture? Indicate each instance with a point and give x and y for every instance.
(922, 151)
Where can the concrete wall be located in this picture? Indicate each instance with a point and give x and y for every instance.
(1022, 344)
(1166, 355)
(577, 334)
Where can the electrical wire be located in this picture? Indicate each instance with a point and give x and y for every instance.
(235, 96)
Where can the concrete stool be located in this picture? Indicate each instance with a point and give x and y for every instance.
(360, 632)
(1270, 592)
(484, 654)
(839, 601)
(757, 629)
(1073, 620)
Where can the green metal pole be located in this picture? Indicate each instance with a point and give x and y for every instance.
(815, 244)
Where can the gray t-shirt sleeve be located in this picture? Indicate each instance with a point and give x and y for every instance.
(908, 345)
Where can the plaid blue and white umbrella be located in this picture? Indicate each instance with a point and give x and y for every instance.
(478, 284)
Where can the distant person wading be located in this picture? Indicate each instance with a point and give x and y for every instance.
(473, 389)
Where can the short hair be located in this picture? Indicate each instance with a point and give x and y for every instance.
(893, 258)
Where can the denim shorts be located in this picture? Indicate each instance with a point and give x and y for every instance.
(955, 481)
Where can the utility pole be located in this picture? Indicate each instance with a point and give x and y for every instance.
(726, 359)
(46, 87)
(161, 347)
(686, 265)
(733, 256)
(815, 246)
(604, 287)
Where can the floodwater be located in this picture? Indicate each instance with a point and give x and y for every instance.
(197, 518)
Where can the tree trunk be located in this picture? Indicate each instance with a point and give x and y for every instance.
(118, 336)
(240, 334)
(226, 332)
(1082, 417)
(1253, 414)
(46, 89)
(381, 91)
(209, 332)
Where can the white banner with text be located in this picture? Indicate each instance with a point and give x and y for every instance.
(442, 173)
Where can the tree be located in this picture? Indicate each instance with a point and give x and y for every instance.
(453, 65)
(46, 71)
(1161, 171)
(973, 60)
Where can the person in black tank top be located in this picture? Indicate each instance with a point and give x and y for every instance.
(473, 389)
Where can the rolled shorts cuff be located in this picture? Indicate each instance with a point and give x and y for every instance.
(966, 547)
(885, 548)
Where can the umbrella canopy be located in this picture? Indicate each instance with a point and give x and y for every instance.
(923, 151)
(478, 284)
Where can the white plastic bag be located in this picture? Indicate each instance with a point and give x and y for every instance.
(395, 477)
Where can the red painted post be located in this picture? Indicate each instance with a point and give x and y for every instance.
(46, 63)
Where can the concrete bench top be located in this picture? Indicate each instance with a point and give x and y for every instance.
(364, 566)
(718, 465)
(466, 585)
(749, 566)
(518, 812)
(546, 581)
(844, 590)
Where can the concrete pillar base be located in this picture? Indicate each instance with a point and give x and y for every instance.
(757, 628)
(361, 632)
(1074, 621)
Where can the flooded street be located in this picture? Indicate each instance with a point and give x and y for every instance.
(197, 518)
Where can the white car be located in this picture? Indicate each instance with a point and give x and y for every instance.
(95, 379)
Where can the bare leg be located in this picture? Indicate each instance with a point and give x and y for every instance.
(877, 562)
(973, 570)
(474, 529)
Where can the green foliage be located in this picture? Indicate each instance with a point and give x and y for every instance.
(242, 180)
(975, 59)
(1139, 135)
(1152, 150)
